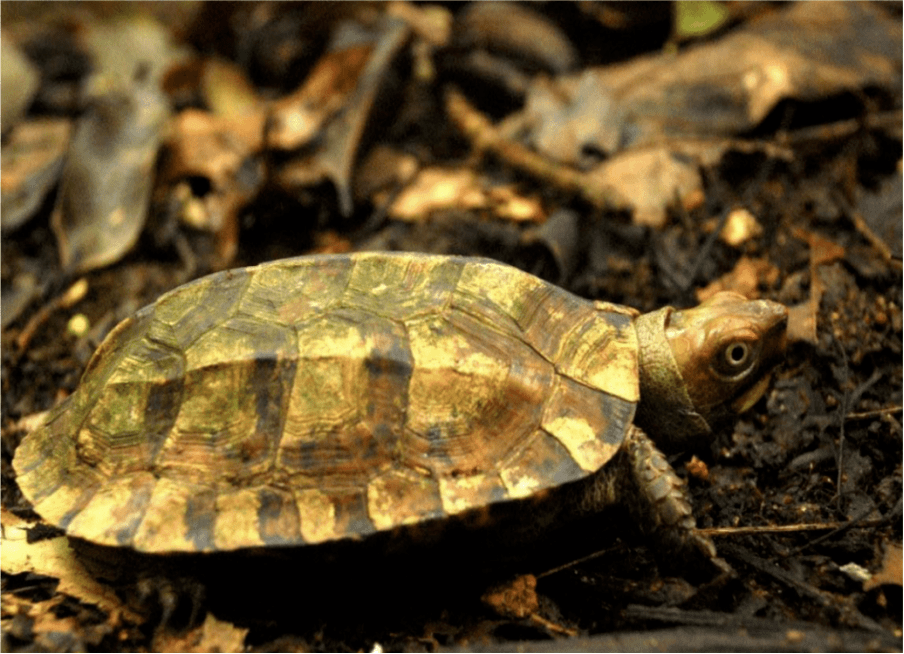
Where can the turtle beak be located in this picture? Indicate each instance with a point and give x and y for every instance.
(743, 402)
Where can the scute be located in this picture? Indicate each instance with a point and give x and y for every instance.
(321, 398)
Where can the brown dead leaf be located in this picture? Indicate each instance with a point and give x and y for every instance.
(330, 242)
(653, 178)
(515, 30)
(890, 572)
(383, 170)
(709, 93)
(211, 636)
(43, 613)
(745, 278)
(227, 91)
(822, 250)
(435, 189)
(802, 324)
(218, 149)
(54, 558)
(802, 320)
(125, 42)
(46, 620)
(32, 158)
(444, 189)
(340, 114)
(516, 598)
(511, 205)
(298, 118)
(431, 23)
(721, 88)
(108, 177)
(214, 147)
(22, 78)
(343, 135)
(697, 468)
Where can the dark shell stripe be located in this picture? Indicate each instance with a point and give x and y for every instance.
(320, 398)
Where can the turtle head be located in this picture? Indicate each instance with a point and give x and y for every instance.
(701, 366)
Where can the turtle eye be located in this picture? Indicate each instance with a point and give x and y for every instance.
(737, 356)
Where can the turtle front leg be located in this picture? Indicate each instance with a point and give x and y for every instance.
(661, 506)
(657, 502)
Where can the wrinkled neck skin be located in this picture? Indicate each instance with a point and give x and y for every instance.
(665, 412)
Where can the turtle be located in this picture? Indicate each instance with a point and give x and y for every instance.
(329, 399)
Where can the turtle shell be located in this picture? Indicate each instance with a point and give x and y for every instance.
(321, 398)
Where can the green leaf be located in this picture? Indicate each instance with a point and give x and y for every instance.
(698, 18)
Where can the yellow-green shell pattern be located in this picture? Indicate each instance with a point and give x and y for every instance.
(320, 398)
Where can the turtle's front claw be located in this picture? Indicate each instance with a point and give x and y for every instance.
(663, 510)
(690, 554)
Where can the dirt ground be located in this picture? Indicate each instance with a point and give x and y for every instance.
(799, 201)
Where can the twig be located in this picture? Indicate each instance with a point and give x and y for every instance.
(877, 243)
(872, 414)
(783, 529)
(486, 137)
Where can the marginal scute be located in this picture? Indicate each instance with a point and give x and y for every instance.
(113, 514)
(65, 501)
(464, 492)
(237, 524)
(200, 518)
(325, 398)
(402, 497)
(278, 516)
(317, 514)
(352, 518)
(163, 528)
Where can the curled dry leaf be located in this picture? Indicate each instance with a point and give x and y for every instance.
(517, 31)
(443, 189)
(227, 90)
(120, 45)
(711, 92)
(108, 176)
(218, 149)
(20, 84)
(298, 118)
(802, 319)
(382, 171)
(653, 179)
(54, 558)
(219, 146)
(32, 159)
(487, 137)
(341, 134)
(726, 87)
(432, 23)
(745, 278)
(516, 598)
